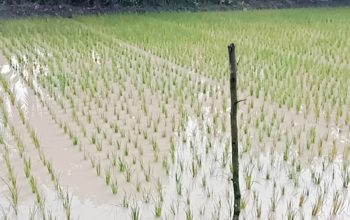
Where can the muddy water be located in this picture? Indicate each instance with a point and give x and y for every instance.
(75, 172)
(92, 199)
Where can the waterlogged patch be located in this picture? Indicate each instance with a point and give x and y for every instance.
(46, 70)
(40, 52)
(8, 106)
(21, 94)
(262, 74)
(88, 209)
(25, 75)
(206, 186)
(5, 69)
(338, 134)
(14, 62)
(2, 129)
(95, 57)
(36, 68)
(25, 59)
(17, 86)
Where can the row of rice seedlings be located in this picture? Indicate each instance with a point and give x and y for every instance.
(40, 200)
(46, 163)
(12, 179)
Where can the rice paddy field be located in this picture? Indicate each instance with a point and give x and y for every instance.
(128, 116)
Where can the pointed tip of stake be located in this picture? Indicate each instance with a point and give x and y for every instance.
(231, 46)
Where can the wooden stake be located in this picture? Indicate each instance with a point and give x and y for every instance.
(234, 131)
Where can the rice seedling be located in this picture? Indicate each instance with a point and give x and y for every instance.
(345, 175)
(248, 177)
(158, 209)
(67, 203)
(121, 165)
(258, 209)
(189, 214)
(125, 201)
(333, 153)
(274, 200)
(302, 200)
(27, 167)
(146, 196)
(99, 146)
(128, 174)
(108, 176)
(14, 198)
(114, 187)
(75, 140)
(317, 205)
(147, 174)
(93, 139)
(204, 182)
(135, 212)
(338, 204)
(35, 139)
(33, 184)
